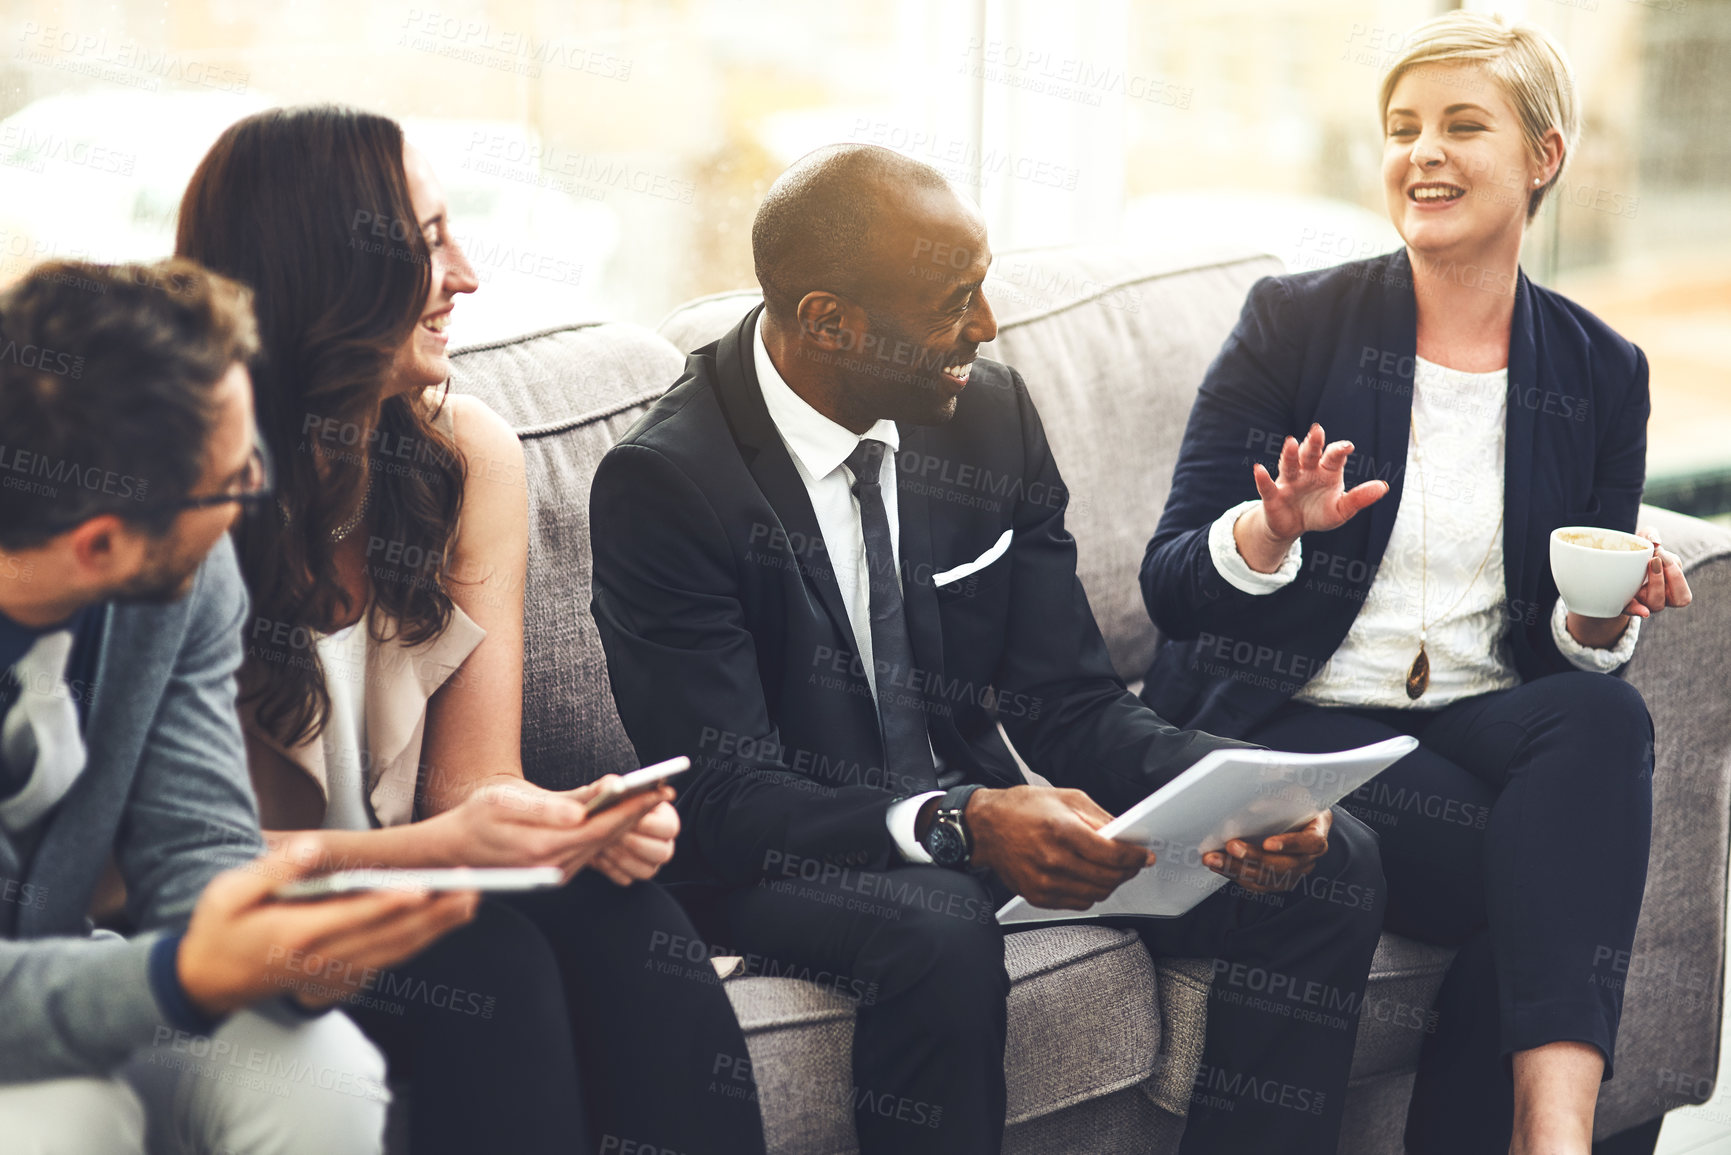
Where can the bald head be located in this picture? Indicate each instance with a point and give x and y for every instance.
(815, 228)
(874, 272)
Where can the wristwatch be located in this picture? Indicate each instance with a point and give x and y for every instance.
(947, 841)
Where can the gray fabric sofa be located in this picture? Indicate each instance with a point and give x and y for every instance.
(1104, 1041)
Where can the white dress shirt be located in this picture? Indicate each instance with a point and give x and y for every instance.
(819, 448)
(1449, 521)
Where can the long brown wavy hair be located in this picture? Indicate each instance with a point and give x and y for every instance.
(310, 208)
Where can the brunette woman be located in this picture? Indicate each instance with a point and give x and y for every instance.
(382, 700)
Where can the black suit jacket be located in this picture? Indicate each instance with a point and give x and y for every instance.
(1336, 346)
(727, 638)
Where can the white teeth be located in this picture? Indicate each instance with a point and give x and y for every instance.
(1435, 194)
(960, 372)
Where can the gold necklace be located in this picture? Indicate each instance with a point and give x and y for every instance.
(338, 532)
(1418, 677)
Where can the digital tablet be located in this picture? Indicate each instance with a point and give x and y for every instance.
(485, 878)
(1248, 794)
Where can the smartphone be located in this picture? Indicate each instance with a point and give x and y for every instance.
(456, 878)
(635, 783)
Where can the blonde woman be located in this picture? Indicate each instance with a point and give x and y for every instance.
(1394, 580)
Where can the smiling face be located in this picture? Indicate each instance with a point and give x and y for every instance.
(421, 362)
(1457, 170)
(924, 306)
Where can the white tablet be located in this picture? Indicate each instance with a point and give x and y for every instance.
(484, 878)
(1248, 794)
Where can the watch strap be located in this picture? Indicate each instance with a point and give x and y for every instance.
(956, 798)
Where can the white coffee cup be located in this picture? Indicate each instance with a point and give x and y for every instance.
(1598, 570)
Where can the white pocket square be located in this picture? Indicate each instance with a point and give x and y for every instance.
(998, 550)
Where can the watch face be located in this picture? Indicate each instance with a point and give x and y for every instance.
(944, 843)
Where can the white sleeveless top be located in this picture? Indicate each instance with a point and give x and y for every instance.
(367, 760)
(344, 738)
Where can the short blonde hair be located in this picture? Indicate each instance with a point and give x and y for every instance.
(1530, 66)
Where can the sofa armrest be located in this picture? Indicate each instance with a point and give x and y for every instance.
(1668, 1045)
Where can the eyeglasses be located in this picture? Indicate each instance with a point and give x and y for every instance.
(256, 484)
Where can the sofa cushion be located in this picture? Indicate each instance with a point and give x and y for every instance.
(1396, 1014)
(1082, 1024)
(1405, 977)
(1113, 365)
(703, 319)
(570, 393)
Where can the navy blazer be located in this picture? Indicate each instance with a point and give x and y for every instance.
(727, 638)
(1337, 346)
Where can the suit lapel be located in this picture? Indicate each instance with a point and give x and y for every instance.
(131, 672)
(1398, 333)
(919, 596)
(771, 465)
(1520, 447)
(10, 868)
(914, 511)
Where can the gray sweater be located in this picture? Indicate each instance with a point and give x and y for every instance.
(165, 789)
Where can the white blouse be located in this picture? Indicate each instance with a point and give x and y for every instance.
(1441, 575)
(343, 655)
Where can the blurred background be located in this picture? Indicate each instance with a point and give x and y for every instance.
(603, 158)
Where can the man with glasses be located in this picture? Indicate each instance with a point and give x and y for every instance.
(127, 449)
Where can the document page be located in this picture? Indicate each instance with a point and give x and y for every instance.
(1248, 794)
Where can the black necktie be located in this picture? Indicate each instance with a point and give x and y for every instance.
(901, 707)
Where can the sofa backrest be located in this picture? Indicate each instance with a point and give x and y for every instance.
(1112, 345)
(570, 393)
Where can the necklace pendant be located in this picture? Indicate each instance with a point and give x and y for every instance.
(1418, 678)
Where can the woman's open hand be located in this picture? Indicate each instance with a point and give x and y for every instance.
(1310, 495)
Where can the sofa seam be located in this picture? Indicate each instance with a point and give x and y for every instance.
(506, 342)
(1141, 279)
(566, 424)
(1090, 952)
(1144, 279)
(1089, 1096)
(703, 300)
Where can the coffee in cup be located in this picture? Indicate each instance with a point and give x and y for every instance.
(1598, 570)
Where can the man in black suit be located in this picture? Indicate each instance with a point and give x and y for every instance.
(828, 563)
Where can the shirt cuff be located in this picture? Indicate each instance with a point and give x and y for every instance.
(177, 1006)
(901, 818)
(1588, 657)
(1223, 548)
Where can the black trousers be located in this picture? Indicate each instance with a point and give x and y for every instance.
(1517, 831)
(919, 951)
(545, 1026)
